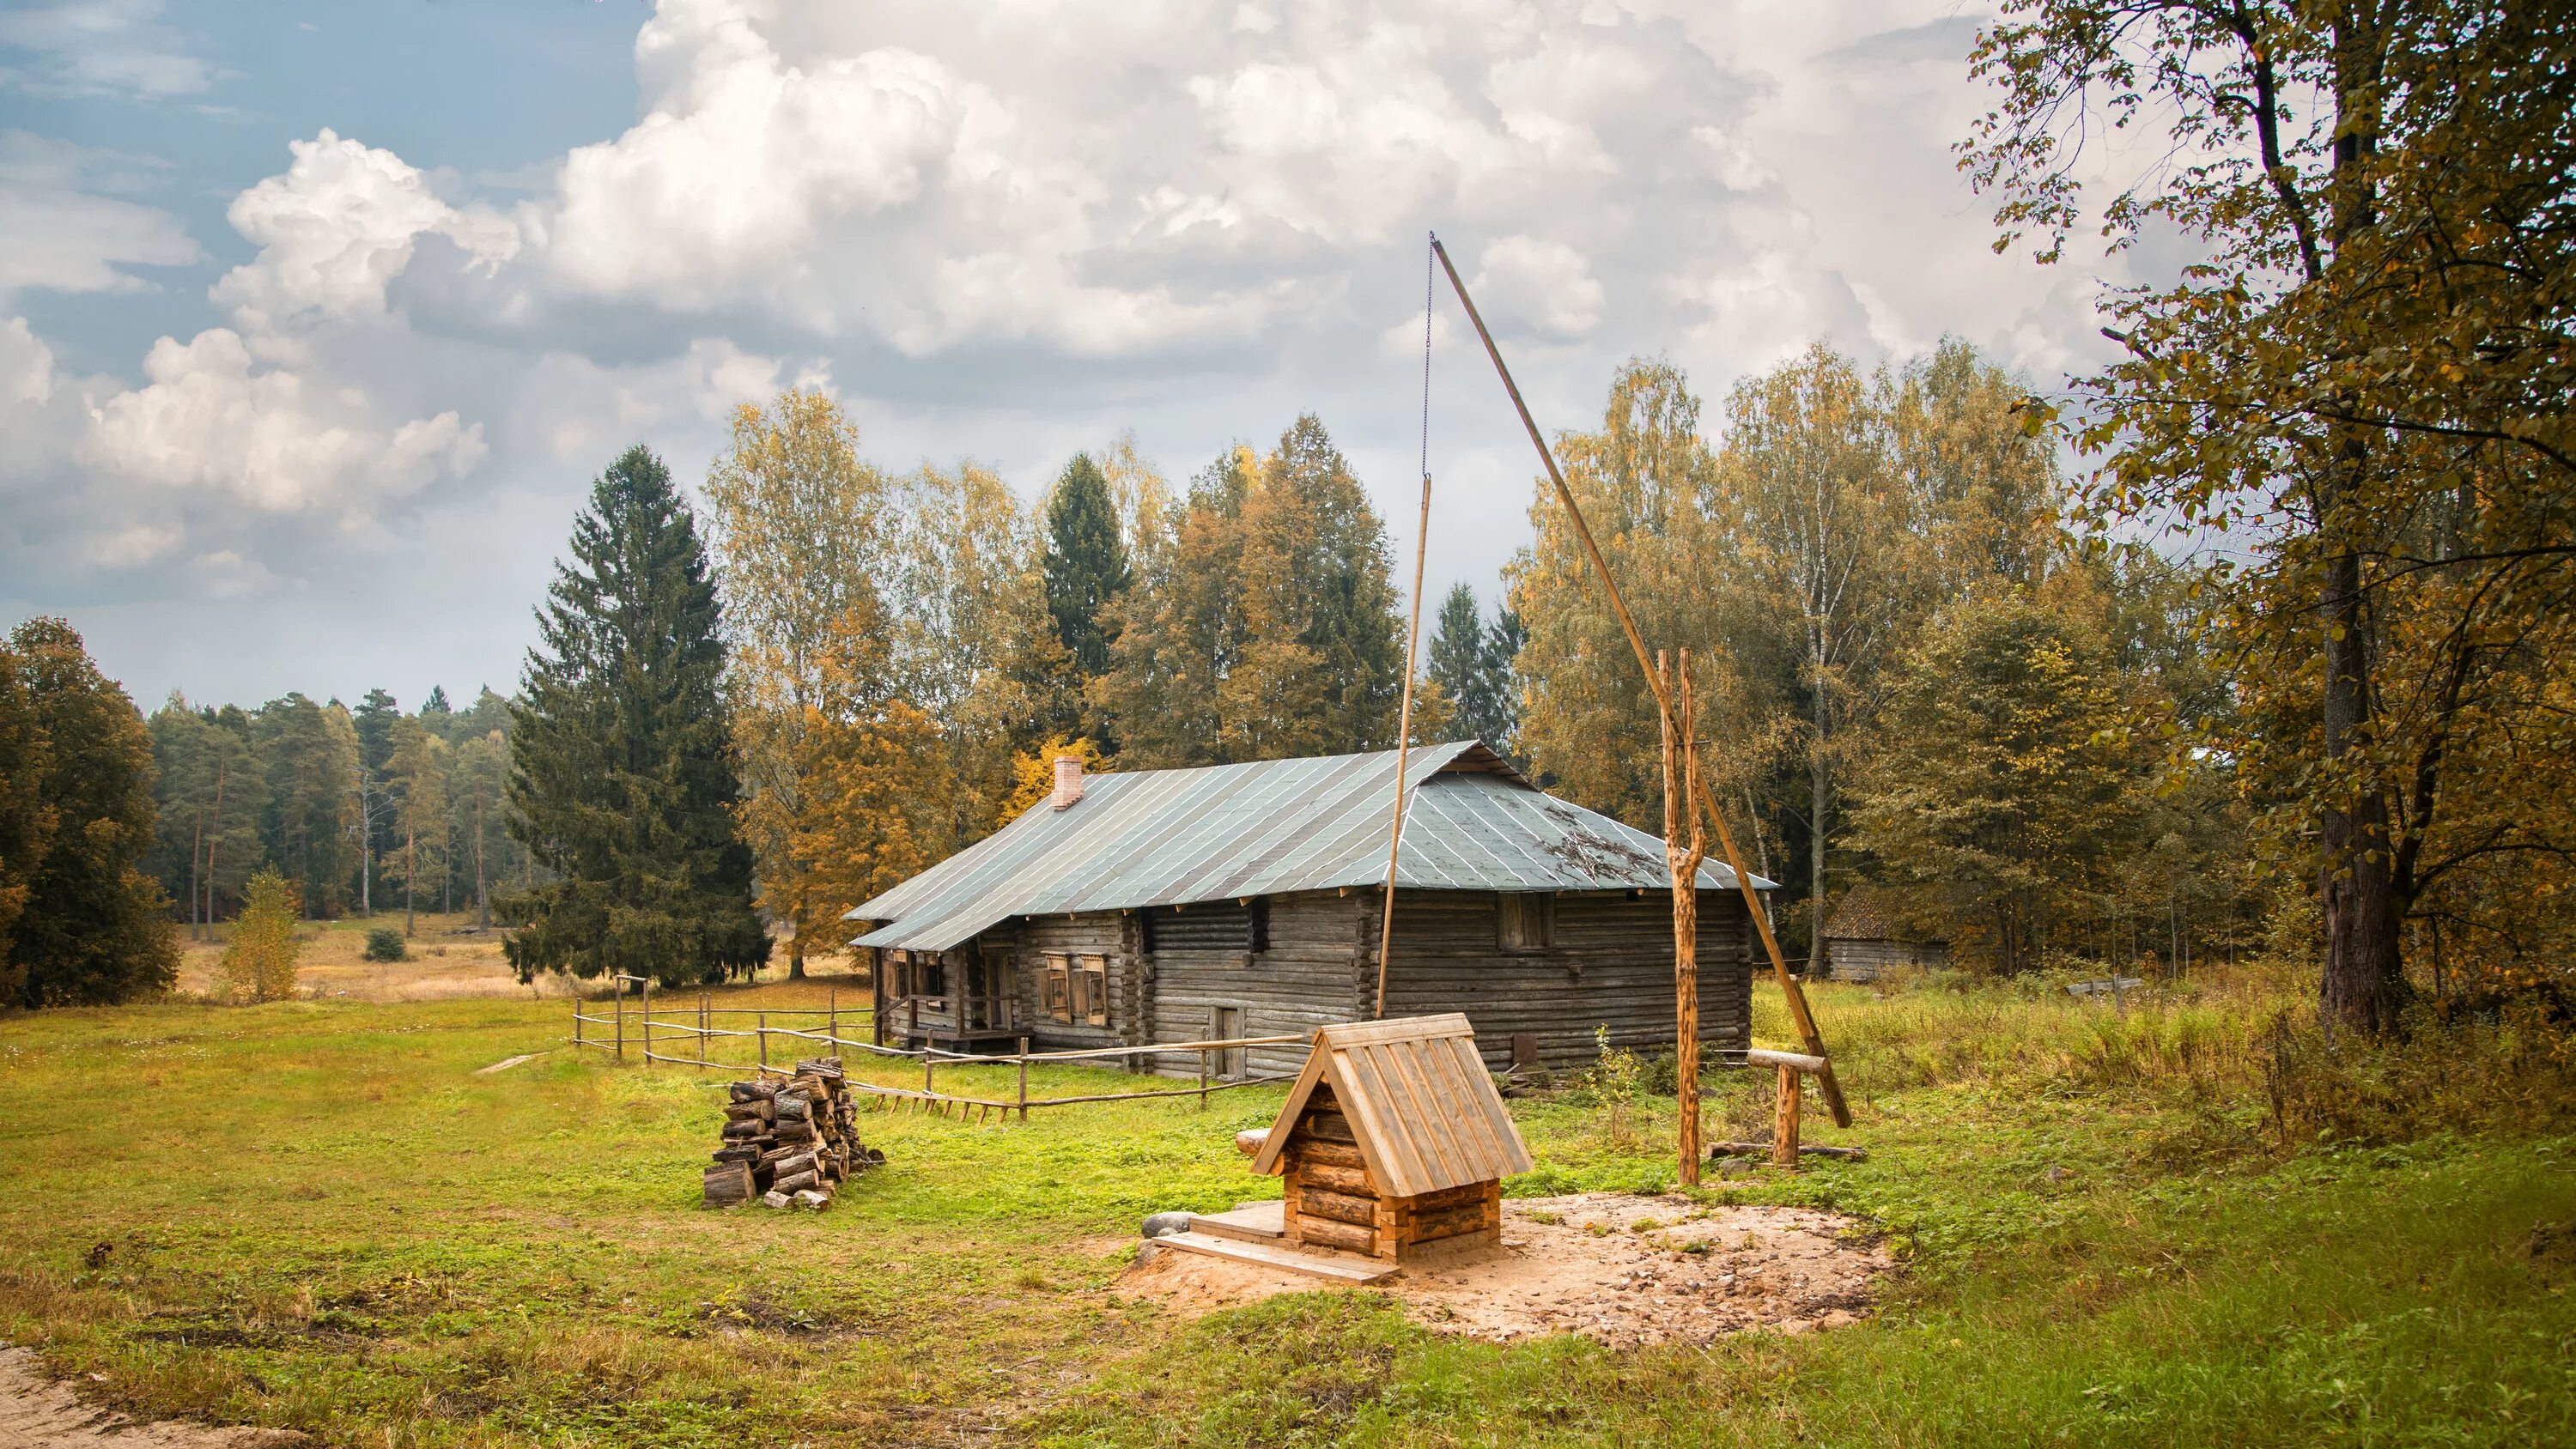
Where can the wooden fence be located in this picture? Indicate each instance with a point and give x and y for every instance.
(700, 1028)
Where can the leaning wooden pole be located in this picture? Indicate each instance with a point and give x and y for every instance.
(1796, 998)
(1412, 642)
(1681, 767)
(1403, 753)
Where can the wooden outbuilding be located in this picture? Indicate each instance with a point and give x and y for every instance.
(1245, 901)
(1861, 939)
(1394, 1141)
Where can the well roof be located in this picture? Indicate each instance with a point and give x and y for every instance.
(1221, 832)
(1420, 1103)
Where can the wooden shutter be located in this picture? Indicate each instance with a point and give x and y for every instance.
(1059, 1003)
(1095, 990)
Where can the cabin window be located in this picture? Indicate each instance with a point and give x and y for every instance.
(1210, 926)
(1094, 980)
(1059, 986)
(1527, 921)
(930, 974)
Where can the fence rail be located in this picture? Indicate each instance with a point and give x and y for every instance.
(700, 1028)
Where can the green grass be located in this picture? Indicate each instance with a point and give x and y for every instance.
(316, 1216)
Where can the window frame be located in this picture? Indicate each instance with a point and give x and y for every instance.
(1095, 988)
(1534, 915)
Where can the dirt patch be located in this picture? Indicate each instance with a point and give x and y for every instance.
(37, 1412)
(1619, 1269)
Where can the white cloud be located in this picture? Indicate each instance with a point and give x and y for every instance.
(335, 230)
(26, 366)
(212, 419)
(102, 48)
(1547, 282)
(57, 232)
(742, 158)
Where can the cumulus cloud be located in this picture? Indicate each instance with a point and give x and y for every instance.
(1547, 282)
(58, 231)
(336, 228)
(213, 419)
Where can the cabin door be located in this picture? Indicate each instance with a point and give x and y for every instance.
(1225, 1023)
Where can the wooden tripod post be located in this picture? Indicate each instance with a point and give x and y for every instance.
(1789, 989)
(1681, 772)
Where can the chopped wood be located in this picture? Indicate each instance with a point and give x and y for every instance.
(787, 1144)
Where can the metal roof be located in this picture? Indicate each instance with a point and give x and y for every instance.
(1421, 1105)
(1167, 837)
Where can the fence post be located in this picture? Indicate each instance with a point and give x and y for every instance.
(763, 1033)
(832, 999)
(576, 1018)
(929, 1064)
(706, 1018)
(1203, 1078)
(617, 993)
(647, 983)
(1024, 1081)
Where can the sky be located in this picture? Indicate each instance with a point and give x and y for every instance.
(317, 320)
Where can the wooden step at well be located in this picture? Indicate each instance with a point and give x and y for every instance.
(1340, 1267)
(1252, 1222)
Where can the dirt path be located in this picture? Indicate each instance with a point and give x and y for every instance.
(1619, 1269)
(37, 1412)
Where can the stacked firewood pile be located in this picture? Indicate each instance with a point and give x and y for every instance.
(789, 1143)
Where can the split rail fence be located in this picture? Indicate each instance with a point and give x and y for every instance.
(700, 1028)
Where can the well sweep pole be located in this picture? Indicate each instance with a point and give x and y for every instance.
(1412, 642)
(1789, 989)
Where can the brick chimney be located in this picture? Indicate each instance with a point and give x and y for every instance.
(1068, 780)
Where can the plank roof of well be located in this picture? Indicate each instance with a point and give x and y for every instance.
(1221, 832)
(1420, 1103)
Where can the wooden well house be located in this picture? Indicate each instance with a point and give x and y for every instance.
(1394, 1141)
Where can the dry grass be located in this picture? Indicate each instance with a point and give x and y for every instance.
(450, 960)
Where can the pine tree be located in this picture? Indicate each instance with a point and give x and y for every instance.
(374, 720)
(1086, 568)
(621, 772)
(311, 754)
(416, 791)
(91, 926)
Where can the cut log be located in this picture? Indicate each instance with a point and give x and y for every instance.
(728, 1185)
(790, 1166)
(1331, 1154)
(735, 1131)
(1340, 1207)
(1249, 1142)
(745, 1153)
(792, 1108)
(747, 1112)
(1351, 1180)
(793, 1182)
(1337, 1235)
(797, 1132)
(752, 1091)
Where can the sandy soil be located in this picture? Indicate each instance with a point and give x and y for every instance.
(39, 1413)
(1619, 1269)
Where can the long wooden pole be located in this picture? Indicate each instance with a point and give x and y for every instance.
(1796, 998)
(1403, 753)
(1681, 767)
(1412, 643)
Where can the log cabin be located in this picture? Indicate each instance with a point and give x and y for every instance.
(1240, 901)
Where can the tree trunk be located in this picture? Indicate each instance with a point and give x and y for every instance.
(211, 842)
(2364, 987)
(1817, 788)
(196, 853)
(411, 869)
(482, 892)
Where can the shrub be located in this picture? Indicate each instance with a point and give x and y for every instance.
(1615, 1078)
(384, 943)
(259, 962)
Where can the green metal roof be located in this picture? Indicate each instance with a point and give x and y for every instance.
(1168, 837)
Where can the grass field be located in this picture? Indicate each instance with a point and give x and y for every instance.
(316, 1215)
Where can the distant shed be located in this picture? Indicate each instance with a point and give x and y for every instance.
(1861, 939)
(1394, 1140)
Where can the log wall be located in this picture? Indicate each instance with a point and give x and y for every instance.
(1309, 977)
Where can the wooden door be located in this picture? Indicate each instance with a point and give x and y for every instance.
(1225, 1023)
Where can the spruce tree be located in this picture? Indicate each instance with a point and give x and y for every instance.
(621, 772)
(91, 926)
(1086, 567)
